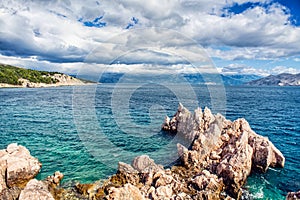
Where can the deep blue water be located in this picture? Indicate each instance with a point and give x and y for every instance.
(84, 131)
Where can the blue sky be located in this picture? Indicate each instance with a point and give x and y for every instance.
(240, 36)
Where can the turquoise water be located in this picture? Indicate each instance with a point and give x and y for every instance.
(85, 137)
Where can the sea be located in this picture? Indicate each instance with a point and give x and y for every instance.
(84, 131)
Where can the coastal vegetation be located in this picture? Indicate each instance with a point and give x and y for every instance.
(12, 75)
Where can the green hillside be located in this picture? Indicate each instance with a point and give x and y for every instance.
(10, 75)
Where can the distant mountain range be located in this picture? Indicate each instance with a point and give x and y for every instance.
(15, 76)
(201, 79)
(227, 79)
(284, 79)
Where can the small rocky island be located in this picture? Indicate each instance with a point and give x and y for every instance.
(216, 165)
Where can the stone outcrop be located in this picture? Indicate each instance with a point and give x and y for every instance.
(17, 167)
(54, 180)
(228, 149)
(128, 192)
(60, 80)
(36, 190)
(293, 195)
(17, 171)
(215, 164)
(21, 166)
(144, 164)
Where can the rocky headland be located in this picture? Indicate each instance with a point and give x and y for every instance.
(12, 76)
(60, 80)
(221, 155)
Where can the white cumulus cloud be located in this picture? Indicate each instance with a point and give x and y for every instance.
(68, 31)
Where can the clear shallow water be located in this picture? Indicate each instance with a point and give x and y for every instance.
(50, 123)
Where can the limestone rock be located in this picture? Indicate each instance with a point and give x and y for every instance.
(166, 125)
(147, 179)
(11, 148)
(145, 164)
(126, 168)
(182, 196)
(3, 167)
(21, 166)
(164, 192)
(234, 169)
(17, 167)
(162, 179)
(208, 181)
(278, 159)
(220, 156)
(10, 193)
(128, 192)
(55, 178)
(86, 189)
(228, 149)
(293, 195)
(265, 153)
(36, 190)
(181, 149)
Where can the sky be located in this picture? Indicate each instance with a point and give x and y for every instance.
(259, 37)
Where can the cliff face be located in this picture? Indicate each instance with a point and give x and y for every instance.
(278, 80)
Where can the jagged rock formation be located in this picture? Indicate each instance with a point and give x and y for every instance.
(293, 195)
(228, 149)
(36, 190)
(216, 165)
(17, 167)
(17, 171)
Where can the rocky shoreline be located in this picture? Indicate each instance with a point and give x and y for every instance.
(216, 165)
(61, 80)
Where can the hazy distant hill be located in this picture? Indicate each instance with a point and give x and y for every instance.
(227, 79)
(201, 79)
(284, 79)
